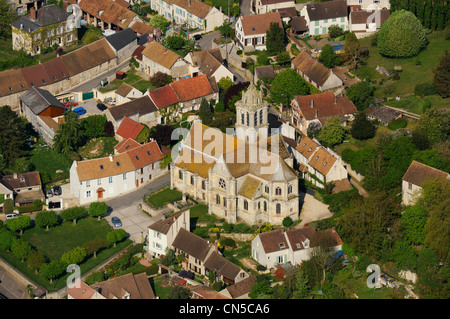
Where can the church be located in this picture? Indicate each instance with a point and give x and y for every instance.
(244, 175)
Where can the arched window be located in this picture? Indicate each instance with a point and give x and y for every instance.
(180, 174)
(278, 208)
(248, 119)
(245, 204)
(217, 199)
(289, 189)
(224, 202)
(265, 206)
(222, 183)
(255, 119)
(260, 117)
(203, 185)
(242, 118)
(278, 191)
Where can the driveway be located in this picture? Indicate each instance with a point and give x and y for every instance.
(245, 8)
(313, 210)
(205, 43)
(134, 221)
(91, 108)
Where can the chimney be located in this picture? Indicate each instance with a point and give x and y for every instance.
(33, 14)
(312, 103)
(216, 246)
(15, 175)
(317, 114)
(76, 163)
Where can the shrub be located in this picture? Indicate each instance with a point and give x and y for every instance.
(287, 221)
(398, 123)
(424, 89)
(227, 242)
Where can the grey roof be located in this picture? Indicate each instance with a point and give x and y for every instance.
(327, 10)
(46, 15)
(37, 100)
(191, 244)
(222, 266)
(141, 106)
(121, 39)
(265, 71)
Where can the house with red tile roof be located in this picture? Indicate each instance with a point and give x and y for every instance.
(251, 30)
(266, 6)
(128, 128)
(307, 109)
(125, 145)
(107, 177)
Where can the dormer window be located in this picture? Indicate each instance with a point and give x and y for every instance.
(304, 145)
(148, 152)
(282, 245)
(317, 157)
(101, 166)
(117, 163)
(325, 164)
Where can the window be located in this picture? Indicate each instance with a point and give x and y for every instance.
(265, 206)
(222, 184)
(278, 191)
(409, 186)
(99, 181)
(248, 119)
(242, 118)
(224, 202)
(267, 189)
(278, 209)
(88, 194)
(110, 179)
(192, 180)
(124, 176)
(245, 204)
(260, 117)
(289, 189)
(217, 199)
(180, 175)
(203, 185)
(316, 23)
(88, 183)
(255, 119)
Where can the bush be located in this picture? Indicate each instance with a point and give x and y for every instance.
(424, 89)
(261, 268)
(287, 221)
(398, 123)
(227, 242)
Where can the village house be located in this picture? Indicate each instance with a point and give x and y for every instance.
(315, 72)
(415, 176)
(293, 246)
(194, 13)
(43, 111)
(43, 28)
(383, 114)
(203, 257)
(157, 58)
(209, 63)
(107, 177)
(251, 30)
(307, 109)
(239, 290)
(128, 286)
(141, 110)
(266, 6)
(319, 166)
(128, 128)
(320, 16)
(162, 233)
(368, 4)
(126, 93)
(23, 6)
(6, 192)
(363, 22)
(27, 187)
(123, 43)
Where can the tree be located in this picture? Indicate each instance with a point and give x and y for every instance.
(441, 79)
(352, 48)
(74, 256)
(432, 158)
(19, 223)
(35, 260)
(322, 244)
(301, 284)
(13, 136)
(93, 126)
(95, 245)
(313, 129)
(47, 218)
(413, 222)
(362, 128)
(69, 135)
(435, 125)
(286, 85)
(335, 31)
(283, 58)
(328, 57)
(20, 249)
(332, 132)
(109, 129)
(6, 239)
(52, 270)
(401, 36)
(98, 209)
(162, 134)
(225, 83)
(287, 221)
(275, 39)
(260, 288)
(159, 21)
(359, 93)
(204, 112)
(73, 213)
(226, 30)
(7, 16)
(404, 255)
(178, 292)
(160, 79)
(116, 236)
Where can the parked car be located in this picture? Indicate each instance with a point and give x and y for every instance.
(197, 37)
(116, 221)
(57, 190)
(11, 216)
(70, 104)
(101, 106)
(79, 110)
(49, 193)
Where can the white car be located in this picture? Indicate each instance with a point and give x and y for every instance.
(10, 216)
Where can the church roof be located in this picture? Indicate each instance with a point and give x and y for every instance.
(252, 99)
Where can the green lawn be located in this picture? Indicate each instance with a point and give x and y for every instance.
(132, 79)
(411, 74)
(96, 148)
(164, 197)
(159, 290)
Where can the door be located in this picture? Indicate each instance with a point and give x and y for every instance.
(137, 183)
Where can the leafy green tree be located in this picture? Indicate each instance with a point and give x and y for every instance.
(226, 30)
(335, 31)
(286, 85)
(159, 21)
(401, 36)
(178, 292)
(359, 93)
(362, 128)
(74, 256)
(47, 218)
(52, 270)
(93, 126)
(35, 260)
(19, 223)
(13, 135)
(332, 132)
(98, 209)
(225, 83)
(7, 16)
(352, 48)
(441, 79)
(116, 236)
(275, 39)
(69, 135)
(95, 245)
(404, 255)
(413, 223)
(435, 125)
(301, 284)
(260, 288)
(205, 112)
(432, 158)
(287, 221)
(73, 213)
(328, 57)
(283, 58)
(6, 239)
(20, 249)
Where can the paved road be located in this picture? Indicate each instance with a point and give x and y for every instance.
(205, 43)
(10, 288)
(245, 8)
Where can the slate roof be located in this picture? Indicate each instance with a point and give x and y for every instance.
(259, 24)
(418, 173)
(327, 10)
(121, 39)
(192, 244)
(242, 287)
(141, 106)
(38, 100)
(222, 266)
(46, 15)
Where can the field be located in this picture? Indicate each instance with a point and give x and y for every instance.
(164, 197)
(415, 70)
